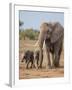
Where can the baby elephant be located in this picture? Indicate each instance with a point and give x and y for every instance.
(28, 58)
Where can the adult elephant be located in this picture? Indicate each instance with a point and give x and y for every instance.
(52, 34)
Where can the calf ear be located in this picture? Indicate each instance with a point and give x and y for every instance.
(57, 33)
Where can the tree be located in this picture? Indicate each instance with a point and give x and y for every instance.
(30, 34)
(20, 23)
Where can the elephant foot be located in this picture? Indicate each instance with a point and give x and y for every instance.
(36, 67)
(39, 67)
(52, 66)
(31, 67)
(56, 64)
(26, 66)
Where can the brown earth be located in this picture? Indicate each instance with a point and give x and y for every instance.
(40, 73)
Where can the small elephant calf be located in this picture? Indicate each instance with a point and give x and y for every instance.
(28, 58)
(31, 57)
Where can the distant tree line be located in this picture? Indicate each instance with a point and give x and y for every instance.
(28, 34)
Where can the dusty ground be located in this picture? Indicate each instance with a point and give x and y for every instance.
(40, 73)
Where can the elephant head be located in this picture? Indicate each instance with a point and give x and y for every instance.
(50, 31)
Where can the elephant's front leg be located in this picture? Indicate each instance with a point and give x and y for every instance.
(36, 63)
(48, 57)
(32, 65)
(27, 64)
(53, 58)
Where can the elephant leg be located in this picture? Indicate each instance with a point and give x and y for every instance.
(31, 64)
(37, 63)
(48, 56)
(40, 58)
(53, 60)
(27, 64)
(58, 50)
(56, 60)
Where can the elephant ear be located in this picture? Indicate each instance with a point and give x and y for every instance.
(57, 32)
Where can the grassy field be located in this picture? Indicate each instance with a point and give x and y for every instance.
(40, 73)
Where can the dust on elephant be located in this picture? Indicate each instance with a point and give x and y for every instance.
(52, 34)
